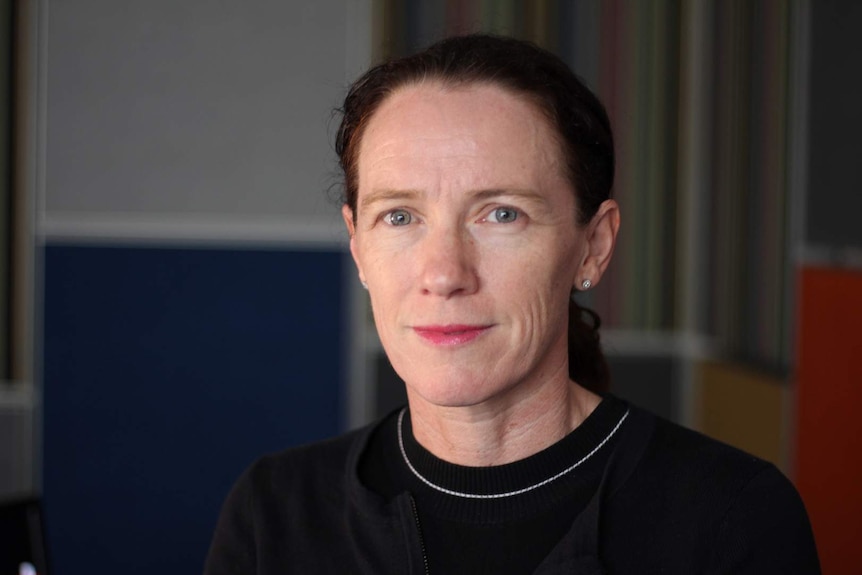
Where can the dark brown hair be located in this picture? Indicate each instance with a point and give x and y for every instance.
(523, 68)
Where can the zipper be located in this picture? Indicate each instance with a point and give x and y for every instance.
(421, 538)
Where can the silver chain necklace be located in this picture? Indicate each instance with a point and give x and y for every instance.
(497, 495)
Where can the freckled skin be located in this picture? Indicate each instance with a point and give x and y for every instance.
(442, 162)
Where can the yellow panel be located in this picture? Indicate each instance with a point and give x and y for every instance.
(743, 408)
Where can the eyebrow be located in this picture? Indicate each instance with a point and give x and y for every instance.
(519, 193)
(378, 196)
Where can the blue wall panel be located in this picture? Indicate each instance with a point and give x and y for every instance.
(166, 372)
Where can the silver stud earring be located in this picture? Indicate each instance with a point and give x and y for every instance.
(365, 285)
(586, 284)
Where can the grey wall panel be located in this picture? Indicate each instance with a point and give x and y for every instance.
(834, 196)
(192, 107)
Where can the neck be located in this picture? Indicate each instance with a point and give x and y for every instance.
(496, 433)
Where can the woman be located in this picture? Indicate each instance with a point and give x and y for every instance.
(478, 177)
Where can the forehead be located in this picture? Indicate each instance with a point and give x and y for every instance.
(477, 130)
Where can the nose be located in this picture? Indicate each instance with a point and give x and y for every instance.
(447, 261)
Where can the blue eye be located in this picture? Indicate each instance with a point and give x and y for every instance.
(503, 215)
(398, 218)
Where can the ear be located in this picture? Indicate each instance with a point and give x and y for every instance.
(347, 214)
(601, 239)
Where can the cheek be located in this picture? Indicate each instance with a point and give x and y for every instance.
(388, 275)
(532, 298)
(536, 289)
(383, 261)
(543, 314)
(543, 273)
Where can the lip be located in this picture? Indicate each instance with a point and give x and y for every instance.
(452, 334)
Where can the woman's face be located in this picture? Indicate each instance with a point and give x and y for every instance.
(465, 233)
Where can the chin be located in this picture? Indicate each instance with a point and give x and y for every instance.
(453, 391)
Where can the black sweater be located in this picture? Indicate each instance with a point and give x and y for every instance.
(668, 501)
(543, 494)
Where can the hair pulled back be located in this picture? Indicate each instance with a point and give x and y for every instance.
(577, 116)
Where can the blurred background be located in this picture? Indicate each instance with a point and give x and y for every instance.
(176, 296)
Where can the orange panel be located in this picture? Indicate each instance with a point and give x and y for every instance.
(829, 413)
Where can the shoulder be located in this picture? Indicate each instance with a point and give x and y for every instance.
(285, 472)
(694, 466)
(675, 452)
(653, 452)
(281, 497)
(708, 506)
